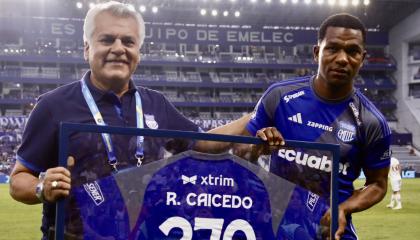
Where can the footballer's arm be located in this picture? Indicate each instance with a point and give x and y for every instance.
(238, 127)
(370, 194)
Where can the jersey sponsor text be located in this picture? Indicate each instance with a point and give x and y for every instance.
(312, 161)
(209, 180)
(287, 98)
(320, 126)
(94, 192)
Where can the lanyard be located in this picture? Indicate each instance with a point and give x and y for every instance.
(112, 159)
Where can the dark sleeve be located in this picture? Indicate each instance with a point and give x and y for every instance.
(263, 113)
(177, 121)
(39, 148)
(378, 149)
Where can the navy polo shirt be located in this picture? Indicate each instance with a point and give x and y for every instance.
(39, 148)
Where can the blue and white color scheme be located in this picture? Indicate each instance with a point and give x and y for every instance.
(194, 196)
(354, 123)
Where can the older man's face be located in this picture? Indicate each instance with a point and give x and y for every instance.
(113, 51)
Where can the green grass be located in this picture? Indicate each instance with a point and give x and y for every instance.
(19, 221)
(383, 223)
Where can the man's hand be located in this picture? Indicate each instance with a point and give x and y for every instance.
(273, 140)
(23, 183)
(271, 135)
(361, 199)
(326, 224)
(57, 184)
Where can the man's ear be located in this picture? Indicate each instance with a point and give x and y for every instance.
(315, 51)
(363, 58)
(86, 51)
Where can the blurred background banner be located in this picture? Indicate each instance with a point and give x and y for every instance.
(65, 29)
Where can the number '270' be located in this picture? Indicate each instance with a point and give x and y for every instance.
(214, 224)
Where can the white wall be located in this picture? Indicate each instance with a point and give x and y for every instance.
(408, 111)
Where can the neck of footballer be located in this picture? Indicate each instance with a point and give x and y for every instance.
(331, 93)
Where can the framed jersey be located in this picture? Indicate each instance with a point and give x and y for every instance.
(173, 192)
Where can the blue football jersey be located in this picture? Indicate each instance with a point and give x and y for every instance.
(354, 123)
(187, 196)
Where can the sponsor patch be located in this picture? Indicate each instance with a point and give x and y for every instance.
(186, 179)
(321, 162)
(297, 118)
(312, 200)
(289, 97)
(209, 180)
(386, 154)
(356, 113)
(150, 121)
(320, 126)
(94, 191)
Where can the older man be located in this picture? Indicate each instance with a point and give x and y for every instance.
(113, 36)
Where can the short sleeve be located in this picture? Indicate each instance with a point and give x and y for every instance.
(38, 150)
(378, 154)
(260, 118)
(378, 151)
(177, 121)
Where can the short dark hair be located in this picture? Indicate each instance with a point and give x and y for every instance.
(344, 20)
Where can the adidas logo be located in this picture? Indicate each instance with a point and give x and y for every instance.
(297, 118)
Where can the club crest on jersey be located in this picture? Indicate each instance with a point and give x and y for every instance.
(346, 132)
(94, 192)
(150, 121)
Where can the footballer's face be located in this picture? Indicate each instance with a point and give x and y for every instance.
(113, 50)
(339, 56)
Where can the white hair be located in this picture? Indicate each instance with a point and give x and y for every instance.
(116, 9)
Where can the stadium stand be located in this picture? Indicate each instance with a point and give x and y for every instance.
(414, 68)
(208, 82)
(407, 156)
(10, 137)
